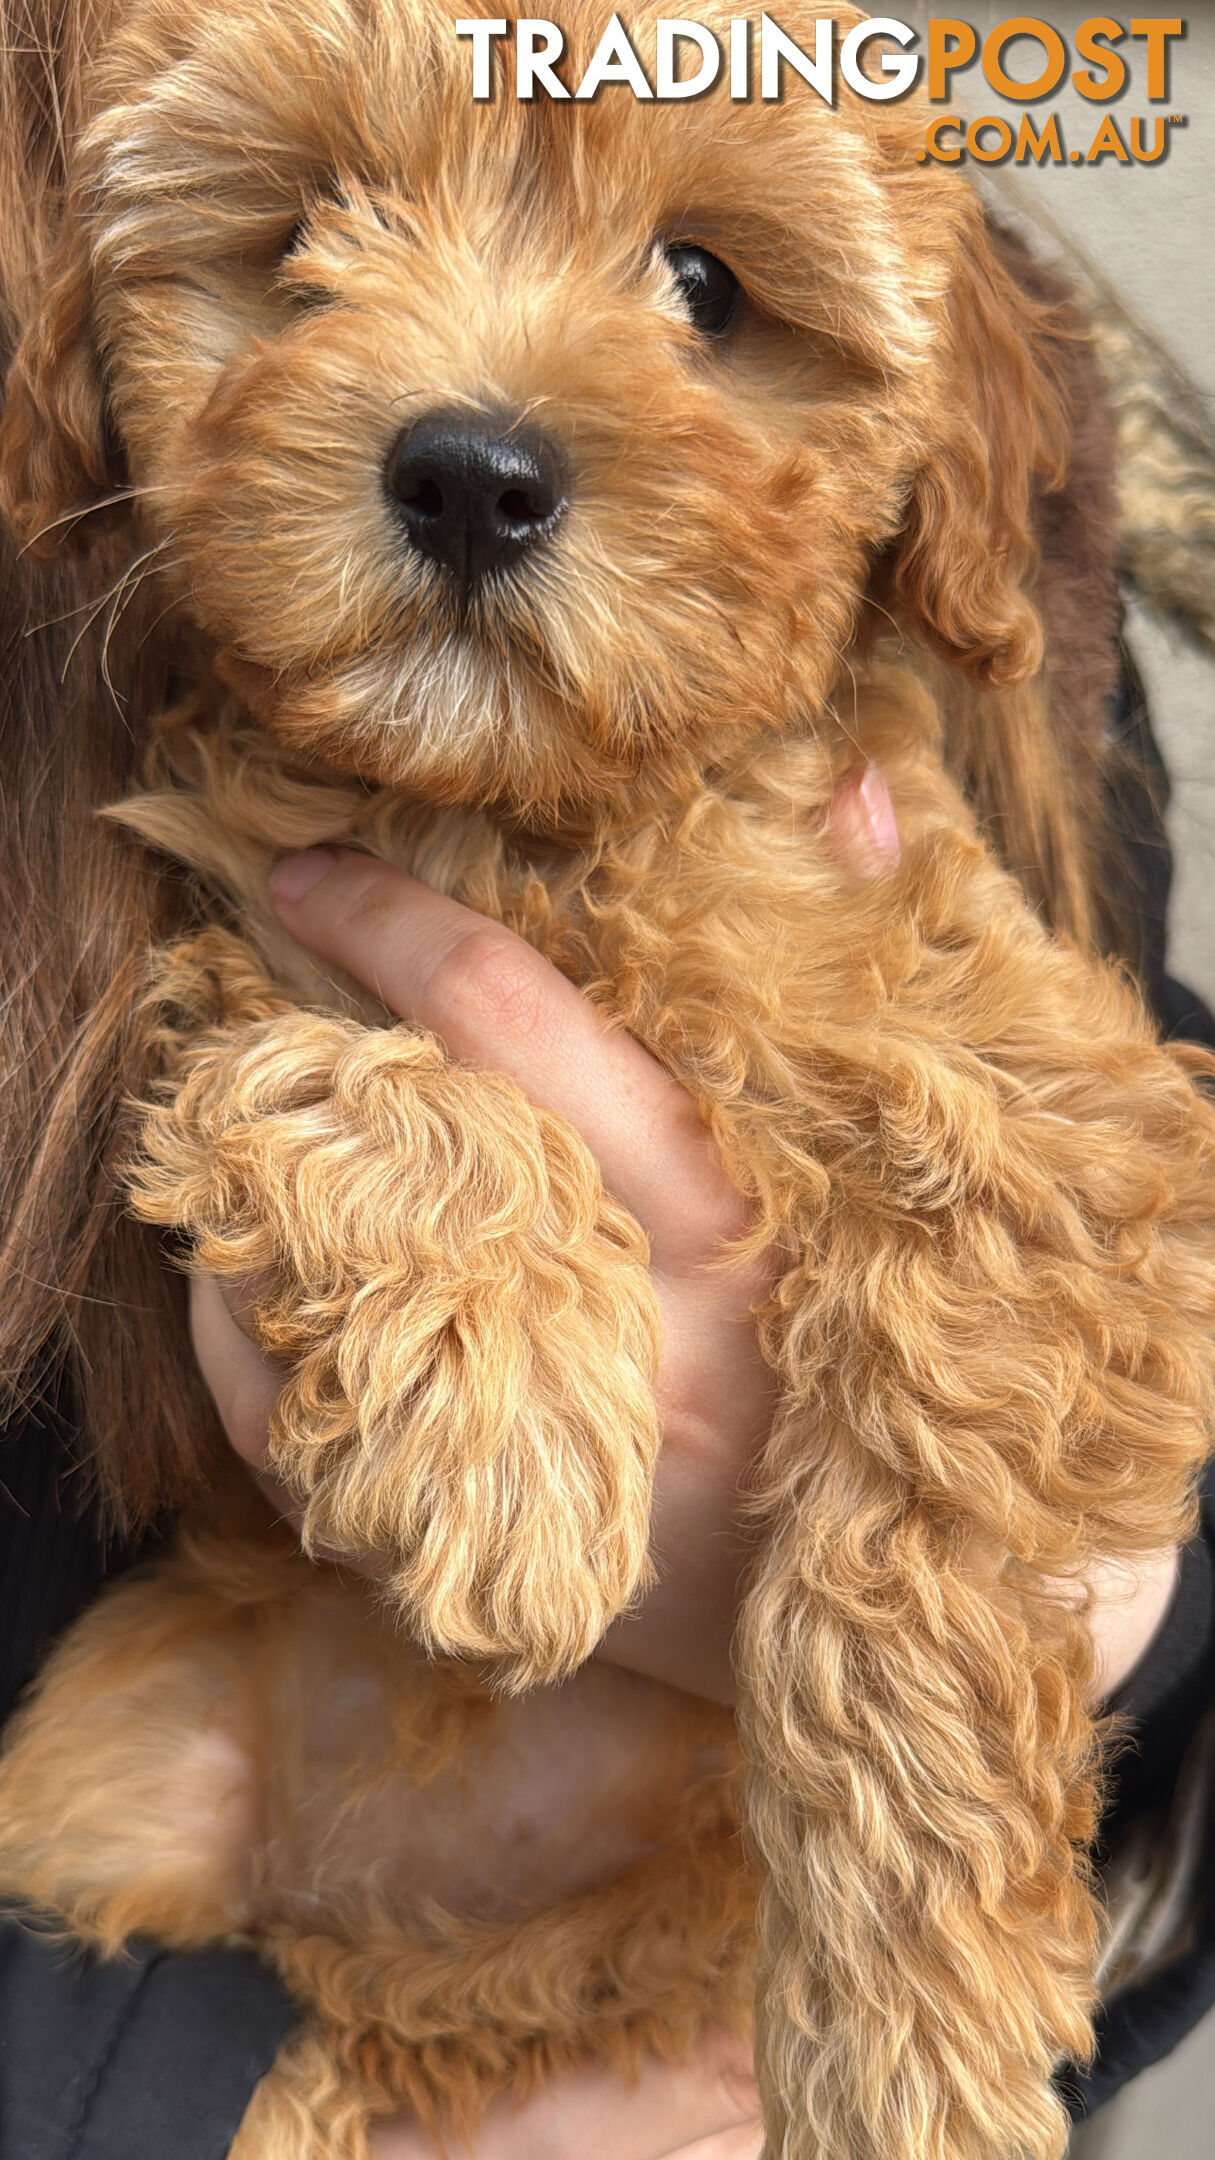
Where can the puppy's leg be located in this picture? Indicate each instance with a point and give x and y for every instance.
(303, 2110)
(131, 1780)
(468, 1319)
(998, 1365)
(135, 1787)
(921, 1794)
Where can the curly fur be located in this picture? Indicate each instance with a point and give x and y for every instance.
(990, 1189)
(468, 1319)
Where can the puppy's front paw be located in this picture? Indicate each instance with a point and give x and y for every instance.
(469, 1321)
(471, 1393)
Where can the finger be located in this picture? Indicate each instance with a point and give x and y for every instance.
(862, 831)
(1126, 1601)
(497, 1004)
(244, 1384)
(668, 2107)
(410, 2142)
(670, 2111)
(746, 2142)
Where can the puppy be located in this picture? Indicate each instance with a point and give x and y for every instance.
(558, 500)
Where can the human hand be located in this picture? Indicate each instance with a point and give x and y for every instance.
(707, 2109)
(497, 1004)
(494, 1002)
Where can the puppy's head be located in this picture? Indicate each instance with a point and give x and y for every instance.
(509, 450)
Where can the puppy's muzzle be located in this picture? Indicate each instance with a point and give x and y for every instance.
(474, 496)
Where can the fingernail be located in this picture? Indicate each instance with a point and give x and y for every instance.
(879, 814)
(296, 874)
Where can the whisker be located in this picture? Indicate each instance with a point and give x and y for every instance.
(880, 610)
(167, 609)
(113, 594)
(122, 601)
(75, 517)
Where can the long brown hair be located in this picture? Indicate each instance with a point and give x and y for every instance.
(85, 1295)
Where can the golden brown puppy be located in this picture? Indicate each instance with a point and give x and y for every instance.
(533, 486)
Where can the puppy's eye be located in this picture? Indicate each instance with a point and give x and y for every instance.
(709, 291)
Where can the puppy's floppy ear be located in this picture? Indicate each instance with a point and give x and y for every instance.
(55, 454)
(965, 564)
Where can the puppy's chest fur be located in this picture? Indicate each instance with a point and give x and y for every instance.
(722, 932)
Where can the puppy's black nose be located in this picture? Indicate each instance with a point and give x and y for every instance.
(474, 495)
